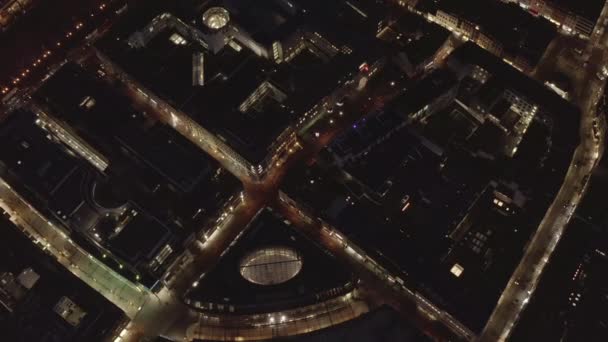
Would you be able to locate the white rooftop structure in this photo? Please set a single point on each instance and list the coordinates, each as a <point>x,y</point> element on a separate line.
<point>69,311</point>
<point>28,278</point>
<point>271,266</point>
<point>216,17</point>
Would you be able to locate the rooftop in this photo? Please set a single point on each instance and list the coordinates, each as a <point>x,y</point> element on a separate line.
<point>431,87</point>
<point>155,163</point>
<point>112,125</point>
<point>589,9</point>
<point>418,38</point>
<point>272,267</point>
<point>34,318</point>
<point>521,34</point>
<point>315,62</point>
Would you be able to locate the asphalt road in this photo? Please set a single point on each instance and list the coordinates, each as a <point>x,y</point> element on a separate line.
<point>389,288</point>
<point>514,299</point>
<point>127,296</point>
<point>163,312</point>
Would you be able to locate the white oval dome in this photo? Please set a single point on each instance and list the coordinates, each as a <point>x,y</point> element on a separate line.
<point>216,17</point>
<point>271,266</point>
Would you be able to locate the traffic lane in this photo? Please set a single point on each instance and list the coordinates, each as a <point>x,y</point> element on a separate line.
<point>383,292</point>
<point>316,138</point>
<point>135,301</point>
<point>51,29</point>
<point>205,255</point>
<point>326,129</point>
<point>124,294</point>
<point>525,279</point>
<point>516,296</point>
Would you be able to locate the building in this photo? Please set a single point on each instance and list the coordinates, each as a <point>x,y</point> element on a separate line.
<point>447,20</point>
<point>489,43</point>
<point>431,94</point>
<point>28,278</point>
<point>478,254</point>
<point>11,292</point>
<point>10,10</point>
<point>579,19</point>
<point>417,42</point>
<point>34,317</point>
<point>259,77</point>
<point>69,311</point>
<point>138,233</point>
<point>499,27</point>
<point>272,276</point>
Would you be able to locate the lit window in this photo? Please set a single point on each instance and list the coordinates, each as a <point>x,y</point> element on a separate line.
<point>457,270</point>
<point>177,39</point>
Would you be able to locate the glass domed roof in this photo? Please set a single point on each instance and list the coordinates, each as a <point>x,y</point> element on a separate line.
<point>271,266</point>
<point>216,17</point>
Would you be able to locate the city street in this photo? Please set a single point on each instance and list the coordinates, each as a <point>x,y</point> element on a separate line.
<point>52,31</point>
<point>124,294</point>
<point>514,299</point>
<point>391,289</point>
<point>202,253</point>
<point>166,313</point>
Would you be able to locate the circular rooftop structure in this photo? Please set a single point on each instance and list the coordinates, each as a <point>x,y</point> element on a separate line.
<point>216,17</point>
<point>106,196</point>
<point>271,266</point>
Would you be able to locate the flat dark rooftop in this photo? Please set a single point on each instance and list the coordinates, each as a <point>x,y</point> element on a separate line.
<point>112,126</point>
<point>41,165</point>
<point>331,18</point>
<point>520,33</point>
<point>59,185</point>
<point>403,240</point>
<point>63,187</point>
<point>488,250</point>
<point>424,92</point>
<point>267,21</point>
<point>364,132</point>
<point>151,164</point>
<point>421,39</point>
<point>34,319</point>
<point>319,273</point>
<point>589,9</point>
<point>376,166</point>
<point>450,125</point>
<point>231,76</point>
<point>566,116</point>
<point>140,238</point>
